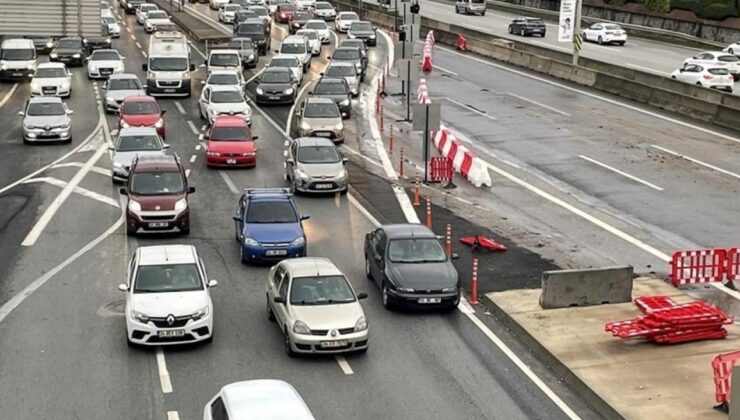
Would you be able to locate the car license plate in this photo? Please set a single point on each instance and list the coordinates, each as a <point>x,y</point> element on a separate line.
<point>323,134</point>
<point>274,98</point>
<point>430,300</point>
<point>64,58</point>
<point>273,252</point>
<point>17,74</point>
<point>169,91</point>
<point>171,333</point>
<point>158,224</point>
<point>333,344</point>
<point>231,161</point>
<point>46,134</point>
<point>323,186</point>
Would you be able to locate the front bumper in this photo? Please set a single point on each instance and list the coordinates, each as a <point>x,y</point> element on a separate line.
<point>148,334</point>
<point>311,344</point>
<point>168,87</point>
<point>327,16</point>
<point>41,135</point>
<point>158,221</point>
<point>102,73</point>
<point>413,299</point>
<point>228,18</point>
<point>321,185</point>
<point>119,174</point>
<point>51,91</point>
<point>231,160</point>
<point>259,253</point>
<point>16,73</point>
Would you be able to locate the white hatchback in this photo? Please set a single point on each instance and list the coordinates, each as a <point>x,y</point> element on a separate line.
<point>344,20</point>
<point>711,77</point>
<point>321,27</point>
<point>167,296</point>
<point>313,40</point>
<point>264,399</point>
<point>717,59</point>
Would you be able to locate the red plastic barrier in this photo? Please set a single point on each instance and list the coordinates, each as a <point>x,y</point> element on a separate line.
<point>462,43</point>
<point>699,266</point>
<point>650,303</point>
<point>732,271</point>
<point>482,241</point>
<point>722,365</point>
<point>440,169</point>
<point>426,65</point>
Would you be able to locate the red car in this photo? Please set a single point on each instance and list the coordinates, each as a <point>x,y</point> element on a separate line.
<point>230,143</point>
<point>284,13</point>
<point>141,111</point>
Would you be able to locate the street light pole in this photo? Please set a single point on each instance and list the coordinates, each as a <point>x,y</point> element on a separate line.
<point>576,32</point>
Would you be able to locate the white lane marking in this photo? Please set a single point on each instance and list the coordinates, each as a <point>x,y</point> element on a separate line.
<point>79,190</point>
<point>335,36</point>
<point>356,153</point>
<point>173,415</point>
<point>187,173</point>
<point>192,158</point>
<point>344,365</point>
<point>597,97</point>
<point>624,174</point>
<point>144,54</point>
<point>229,182</point>
<point>203,127</point>
<point>291,113</point>
<point>256,75</point>
<point>138,45</point>
<point>469,108</point>
<point>193,128</point>
<point>540,104</point>
<point>647,69</point>
<point>373,66</point>
<point>96,169</point>
<point>133,36</point>
<point>198,146</point>
<point>363,210</point>
<point>55,205</point>
<point>27,291</point>
<point>445,70</point>
<point>697,161</point>
<point>7,96</point>
<point>179,107</point>
<point>518,362</point>
<point>164,375</point>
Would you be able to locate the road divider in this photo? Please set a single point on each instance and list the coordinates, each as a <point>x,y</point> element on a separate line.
<point>586,287</point>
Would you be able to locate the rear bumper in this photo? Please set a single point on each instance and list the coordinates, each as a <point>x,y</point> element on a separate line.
<point>231,161</point>
<point>16,74</point>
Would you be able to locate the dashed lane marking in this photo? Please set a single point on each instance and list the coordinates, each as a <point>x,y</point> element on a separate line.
<point>229,182</point>
<point>8,95</point>
<point>539,104</point>
<point>179,107</point>
<point>187,173</point>
<point>138,45</point>
<point>344,365</point>
<point>192,158</point>
<point>620,172</point>
<point>697,161</point>
<point>144,54</point>
<point>193,128</point>
<point>198,146</point>
<point>96,169</point>
<point>173,415</point>
<point>164,375</point>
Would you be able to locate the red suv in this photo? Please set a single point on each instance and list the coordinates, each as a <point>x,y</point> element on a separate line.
<point>230,143</point>
<point>157,191</point>
<point>141,111</point>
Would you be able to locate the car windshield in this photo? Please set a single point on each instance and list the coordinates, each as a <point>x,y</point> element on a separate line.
<point>232,7</point>
<point>223,79</point>
<point>226,97</point>
<point>168,63</point>
<point>157,183</point>
<point>45,109</point>
<point>230,134</point>
<point>293,48</point>
<point>301,16</point>
<point>156,14</point>
<point>728,58</point>
<point>130,143</point>
<point>341,71</point>
<point>316,25</point>
<point>16,54</point>
<point>719,72</point>
<point>241,44</point>
<point>148,7</point>
<point>69,44</point>
<point>361,26</point>
<point>330,89</point>
<point>349,16</point>
<point>105,56</point>
<point>259,11</point>
<point>271,212</point>
<point>167,278</point>
<point>50,72</point>
<point>109,20</point>
<point>284,62</point>
<point>320,290</point>
<point>275,77</point>
<point>124,84</point>
<point>224,60</point>
<point>139,108</point>
<point>308,34</point>
<point>612,27</point>
<point>321,110</point>
<point>244,15</point>
<point>318,154</point>
<point>322,6</point>
<point>416,250</point>
<point>346,54</point>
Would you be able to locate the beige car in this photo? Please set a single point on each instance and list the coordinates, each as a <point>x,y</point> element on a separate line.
<point>320,117</point>
<point>315,307</point>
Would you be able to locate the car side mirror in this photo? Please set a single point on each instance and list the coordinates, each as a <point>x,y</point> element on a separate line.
<point>277,52</point>
<point>191,67</point>
<point>212,283</point>
<point>164,111</point>
<point>290,161</point>
<point>123,58</point>
<point>255,138</point>
<point>123,191</point>
<point>237,217</point>
<point>345,160</point>
<point>361,296</point>
<point>321,74</point>
<point>123,287</point>
<point>279,299</point>
<point>166,146</point>
<point>203,82</point>
<point>21,113</point>
<point>328,57</point>
<point>454,256</point>
<point>145,67</point>
<point>191,189</point>
<point>70,112</point>
<point>680,70</point>
<point>206,136</point>
<point>111,148</point>
<point>143,87</point>
<point>305,216</point>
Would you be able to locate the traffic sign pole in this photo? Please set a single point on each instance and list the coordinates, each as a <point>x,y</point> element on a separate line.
<point>577,32</point>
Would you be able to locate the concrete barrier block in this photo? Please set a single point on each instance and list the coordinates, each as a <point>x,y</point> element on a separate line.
<point>588,287</point>
<point>520,58</point>
<point>583,76</point>
<point>540,64</point>
<point>561,70</point>
<point>685,105</point>
<point>727,117</point>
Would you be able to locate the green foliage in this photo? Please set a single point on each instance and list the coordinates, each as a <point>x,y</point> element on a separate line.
<point>706,9</point>
<point>719,11</point>
<point>658,6</point>
<point>616,2</point>
<point>691,5</point>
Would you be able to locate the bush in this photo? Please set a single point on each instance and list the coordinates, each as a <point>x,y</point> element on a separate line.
<point>659,6</point>
<point>616,2</point>
<point>718,11</point>
<point>691,5</point>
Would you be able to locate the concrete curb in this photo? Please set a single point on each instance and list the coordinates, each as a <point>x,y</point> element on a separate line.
<point>552,362</point>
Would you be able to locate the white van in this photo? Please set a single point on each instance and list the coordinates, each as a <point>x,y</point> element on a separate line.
<point>224,60</point>
<point>17,59</point>
<point>168,65</point>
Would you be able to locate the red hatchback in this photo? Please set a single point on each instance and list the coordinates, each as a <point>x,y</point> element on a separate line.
<point>141,111</point>
<point>284,13</point>
<point>230,143</point>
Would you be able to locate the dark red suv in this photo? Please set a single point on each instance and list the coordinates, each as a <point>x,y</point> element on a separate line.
<point>157,192</point>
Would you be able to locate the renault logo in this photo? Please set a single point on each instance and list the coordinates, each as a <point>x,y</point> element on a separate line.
<point>333,333</point>
<point>47,128</point>
<point>157,207</point>
<point>170,320</point>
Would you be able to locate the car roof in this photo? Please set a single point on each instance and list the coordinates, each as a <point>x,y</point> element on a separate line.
<point>224,51</point>
<point>151,163</point>
<point>264,399</point>
<point>217,88</point>
<point>137,131</point>
<point>51,65</point>
<point>229,121</point>
<point>347,13</point>
<point>331,79</point>
<point>294,39</point>
<point>288,56</point>
<point>406,230</point>
<point>313,141</point>
<point>106,50</point>
<point>123,76</point>
<point>268,194</point>
<point>167,254</point>
<point>44,99</point>
<point>319,100</point>
<point>311,266</point>
<point>140,98</point>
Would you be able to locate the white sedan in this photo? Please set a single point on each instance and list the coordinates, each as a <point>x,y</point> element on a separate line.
<point>103,63</point>
<point>320,26</point>
<point>224,100</point>
<point>344,20</point>
<point>51,79</point>
<point>167,297</point>
<point>142,10</point>
<point>733,48</point>
<point>717,59</point>
<point>605,33</point>
<point>154,18</point>
<point>711,77</point>
<point>216,4</point>
<point>313,40</point>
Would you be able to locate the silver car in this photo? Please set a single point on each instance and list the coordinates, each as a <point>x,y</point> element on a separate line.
<point>348,71</point>
<point>120,86</point>
<point>314,164</point>
<point>315,307</point>
<point>290,62</point>
<point>46,118</point>
<point>320,117</point>
<point>132,142</point>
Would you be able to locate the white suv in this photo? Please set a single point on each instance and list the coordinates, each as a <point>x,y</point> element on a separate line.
<point>167,297</point>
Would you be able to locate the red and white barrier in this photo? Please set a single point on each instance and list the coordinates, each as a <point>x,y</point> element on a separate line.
<point>422,93</point>
<point>464,161</point>
<point>698,266</point>
<point>426,63</point>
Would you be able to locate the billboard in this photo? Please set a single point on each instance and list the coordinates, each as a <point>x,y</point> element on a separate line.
<point>567,20</point>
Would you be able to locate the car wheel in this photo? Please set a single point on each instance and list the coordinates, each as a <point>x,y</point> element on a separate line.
<point>288,345</point>
<point>242,255</point>
<point>621,43</point>
<point>698,84</point>
<point>368,272</point>
<point>673,77</point>
<point>599,40</point>
<point>387,302</point>
<point>185,230</point>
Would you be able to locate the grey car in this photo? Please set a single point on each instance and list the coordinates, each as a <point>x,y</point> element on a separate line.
<point>277,85</point>
<point>411,268</point>
<point>246,49</point>
<point>133,142</point>
<point>336,89</point>
<point>320,117</point>
<point>357,43</point>
<point>120,86</point>
<point>46,119</point>
<point>353,56</point>
<point>346,71</point>
<point>363,30</point>
<point>313,164</point>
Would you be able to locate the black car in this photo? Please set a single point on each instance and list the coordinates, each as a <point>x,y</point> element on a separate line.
<point>240,16</point>
<point>353,56</point>
<point>42,44</point>
<point>93,43</point>
<point>242,3</point>
<point>525,26</point>
<point>356,43</point>
<point>364,30</point>
<point>256,31</point>
<point>411,268</point>
<point>247,51</point>
<point>298,21</point>
<point>70,50</point>
<point>277,85</point>
<point>335,88</point>
<point>130,6</point>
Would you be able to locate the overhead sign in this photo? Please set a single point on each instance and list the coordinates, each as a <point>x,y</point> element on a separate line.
<point>567,20</point>
<point>427,117</point>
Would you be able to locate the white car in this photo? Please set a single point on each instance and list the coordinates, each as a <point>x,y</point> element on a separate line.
<point>142,10</point>
<point>711,77</point>
<point>324,10</point>
<point>232,78</point>
<point>257,399</point>
<point>216,4</point>
<point>717,59</point>
<point>103,63</point>
<point>315,307</point>
<point>52,79</point>
<point>733,48</point>
<point>297,46</point>
<point>313,40</point>
<point>321,27</point>
<point>344,20</point>
<point>304,4</point>
<point>605,33</point>
<point>167,297</point>
<point>112,27</point>
<point>155,18</point>
<point>227,12</point>
<point>224,60</point>
<point>290,62</point>
<point>105,10</point>
<point>223,100</point>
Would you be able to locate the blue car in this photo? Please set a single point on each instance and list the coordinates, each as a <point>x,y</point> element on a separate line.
<point>269,227</point>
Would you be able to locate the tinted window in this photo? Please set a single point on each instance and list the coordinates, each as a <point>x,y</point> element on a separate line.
<point>223,79</point>
<point>105,55</point>
<point>719,72</point>
<point>224,60</point>
<point>275,77</point>
<point>341,71</point>
<point>347,54</point>
<point>50,72</point>
<point>42,109</point>
<point>287,7</point>
<point>230,134</point>
<point>218,412</point>
<point>250,29</point>
<point>227,97</point>
<point>232,7</point>
<point>168,63</point>
<point>612,27</point>
<point>293,48</point>
<point>259,11</point>
<point>318,154</point>
<point>361,26</point>
<point>167,278</point>
<point>349,16</point>
<point>316,25</point>
<point>144,142</point>
<point>109,20</point>
<point>321,110</point>
<point>157,183</point>
<point>241,44</point>
<point>69,44</point>
<point>330,89</point>
<point>320,290</point>
<point>284,62</point>
<point>156,15</point>
<point>322,6</point>
<point>271,212</point>
<point>13,54</point>
<point>416,251</point>
<point>140,108</point>
<point>728,58</point>
<point>124,84</point>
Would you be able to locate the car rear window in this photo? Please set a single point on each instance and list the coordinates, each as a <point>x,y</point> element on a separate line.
<point>330,89</point>
<point>143,142</point>
<point>728,58</point>
<point>230,134</point>
<point>321,110</point>
<point>719,72</point>
<point>139,108</point>
<point>341,71</point>
<point>124,84</point>
<point>613,27</point>
<point>347,54</point>
<point>293,48</point>
<point>271,212</point>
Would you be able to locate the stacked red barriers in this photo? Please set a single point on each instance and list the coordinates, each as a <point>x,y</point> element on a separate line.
<point>667,322</point>
<point>722,365</point>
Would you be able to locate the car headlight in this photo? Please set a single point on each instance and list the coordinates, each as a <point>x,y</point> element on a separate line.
<point>134,206</point>
<point>361,324</point>
<point>138,316</point>
<point>339,127</point>
<point>185,75</point>
<point>305,126</point>
<point>300,327</point>
<point>351,36</point>
<point>107,40</point>
<point>181,205</point>
<point>449,289</point>
<point>110,100</point>
<point>118,165</point>
<point>372,36</point>
<point>159,123</point>
<point>124,124</point>
<point>288,91</point>
<point>250,242</point>
<point>49,44</point>
<point>200,313</point>
<point>260,91</point>
<point>299,241</point>
<point>53,55</point>
<point>342,174</point>
<point>405,290</point>
<point>28,126</point>
<point>358,65</point>
<point>302,175</point>
<point>34,86</point>
<point>66,124</point>
<point>30,66</point>
<point>251,57</point>
<point>344,102</point>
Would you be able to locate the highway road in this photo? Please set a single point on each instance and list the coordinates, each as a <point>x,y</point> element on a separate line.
<point>62,333</point>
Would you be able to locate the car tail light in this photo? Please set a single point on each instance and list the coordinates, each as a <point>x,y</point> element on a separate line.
<point>213,154</point>
<point>708,77</point>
